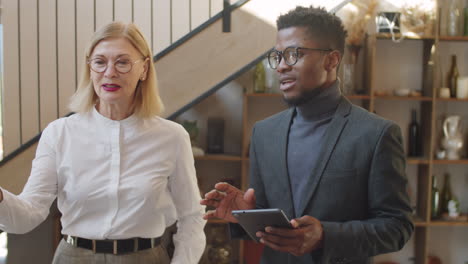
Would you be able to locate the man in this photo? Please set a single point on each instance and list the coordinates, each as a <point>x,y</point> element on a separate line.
<point>336,169</point>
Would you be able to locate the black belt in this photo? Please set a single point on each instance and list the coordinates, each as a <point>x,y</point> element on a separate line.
<point>119,246</point>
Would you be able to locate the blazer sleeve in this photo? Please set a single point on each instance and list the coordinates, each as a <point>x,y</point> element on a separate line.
<point>388,226</point>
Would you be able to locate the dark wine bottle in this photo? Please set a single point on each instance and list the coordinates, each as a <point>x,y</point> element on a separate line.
<point>435,199</point>
<point>414,137</point>
<point>452,77</point>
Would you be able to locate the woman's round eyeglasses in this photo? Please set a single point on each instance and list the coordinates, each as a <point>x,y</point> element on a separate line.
<point>290,55</point>
<point>121,65</point>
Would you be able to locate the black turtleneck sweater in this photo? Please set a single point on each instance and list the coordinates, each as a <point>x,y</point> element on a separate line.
<point>308,128</point>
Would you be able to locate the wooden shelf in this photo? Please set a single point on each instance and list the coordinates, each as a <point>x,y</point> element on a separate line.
<point>451,162</point>
<point>358,96</point>
<point>418,221</point>
<point>439,223</point>
<point>447,223</point>
<point>451,100</point>
<point>220,157</point>
<point>453,38</point>
<point>412,160</point>
<point>403,98</point>
<point>397,36</point>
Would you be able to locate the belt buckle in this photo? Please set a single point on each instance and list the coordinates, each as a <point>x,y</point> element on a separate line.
<point>72,240</point>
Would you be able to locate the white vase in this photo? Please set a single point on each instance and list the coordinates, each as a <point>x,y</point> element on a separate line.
<point>452,141</point>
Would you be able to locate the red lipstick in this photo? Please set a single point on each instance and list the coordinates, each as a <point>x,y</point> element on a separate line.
<point>110,87</point>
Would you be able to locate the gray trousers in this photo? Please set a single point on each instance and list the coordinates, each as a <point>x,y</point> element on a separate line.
<point>68,254</point>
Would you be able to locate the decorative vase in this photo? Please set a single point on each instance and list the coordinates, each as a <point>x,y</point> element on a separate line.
<point>220,254</point>
<point>452,141</point>
<point>350,77</point>
<point>218,249</point>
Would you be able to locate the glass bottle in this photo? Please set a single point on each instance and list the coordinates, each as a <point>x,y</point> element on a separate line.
<point>453,18</point>
<point>259,79</point>
<point>465,19</point>
<point>449,204</point>
<point>435,199</point>
<point>452,77</point>
<point>414,137</point>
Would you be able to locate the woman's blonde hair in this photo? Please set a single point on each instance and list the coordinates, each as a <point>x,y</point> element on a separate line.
<point>147,102</point>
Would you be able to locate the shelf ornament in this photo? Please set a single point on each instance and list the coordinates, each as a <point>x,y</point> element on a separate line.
<point>356,17</point>
<point>192,130</point>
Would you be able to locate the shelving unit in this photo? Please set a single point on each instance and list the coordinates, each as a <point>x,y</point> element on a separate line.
<point>429,106</point>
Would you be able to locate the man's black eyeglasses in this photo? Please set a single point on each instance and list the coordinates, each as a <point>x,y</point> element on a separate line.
<point>290,55</point>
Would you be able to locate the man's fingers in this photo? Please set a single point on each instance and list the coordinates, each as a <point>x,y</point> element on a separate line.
<point>280,241</point>
<point>284,232</point>
<point>305,221</point>
<point>249,196</point>
<point>276,246</point>
<point>215,195</point>
<point>226,187</point>
<point>213,203</point>
<point>294,223</point>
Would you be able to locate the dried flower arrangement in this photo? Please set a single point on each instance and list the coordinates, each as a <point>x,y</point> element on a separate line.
<point>419,17</point>
<point>356,17</point>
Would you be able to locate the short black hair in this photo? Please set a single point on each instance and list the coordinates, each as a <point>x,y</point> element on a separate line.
<point>325,28</point>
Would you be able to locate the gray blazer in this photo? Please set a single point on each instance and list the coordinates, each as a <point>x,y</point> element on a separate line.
<point>357,189</point>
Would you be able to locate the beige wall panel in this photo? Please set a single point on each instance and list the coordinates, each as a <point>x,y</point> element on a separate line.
<point>180,19</point>
<point>123,10</point>
<point>161,25</point>
<point>216,7</point>
<point>200,12</point>
<point>47,62</point>
<point>84,30</point>
<point>193,79</point>
<point>11,99</point>
<point>66,53</point>
<point>142,18</point>
<point>104,15</point>
<point>29,69</point>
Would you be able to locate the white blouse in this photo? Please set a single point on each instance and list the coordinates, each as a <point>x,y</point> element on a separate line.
<point>113,180</point>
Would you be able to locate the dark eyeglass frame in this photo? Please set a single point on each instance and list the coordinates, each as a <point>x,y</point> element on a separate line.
<point>296,55</point>
<point>115,68</point>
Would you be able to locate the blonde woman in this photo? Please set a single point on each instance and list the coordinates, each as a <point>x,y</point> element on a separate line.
<point>121,174</point>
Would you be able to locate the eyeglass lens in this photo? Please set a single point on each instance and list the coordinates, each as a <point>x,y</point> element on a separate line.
<point>289,55</point>
<point>100,65</point>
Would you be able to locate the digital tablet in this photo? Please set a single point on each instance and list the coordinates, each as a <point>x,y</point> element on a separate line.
<point>257,219</point>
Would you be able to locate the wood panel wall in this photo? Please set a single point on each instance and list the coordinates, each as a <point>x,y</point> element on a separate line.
<point>44,43</point>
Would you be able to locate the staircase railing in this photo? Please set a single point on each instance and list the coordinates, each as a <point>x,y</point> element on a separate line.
<point>112,15</point>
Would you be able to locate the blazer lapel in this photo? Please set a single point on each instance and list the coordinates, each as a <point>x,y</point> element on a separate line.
<point>281,134</point>
<point>333,134</point>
